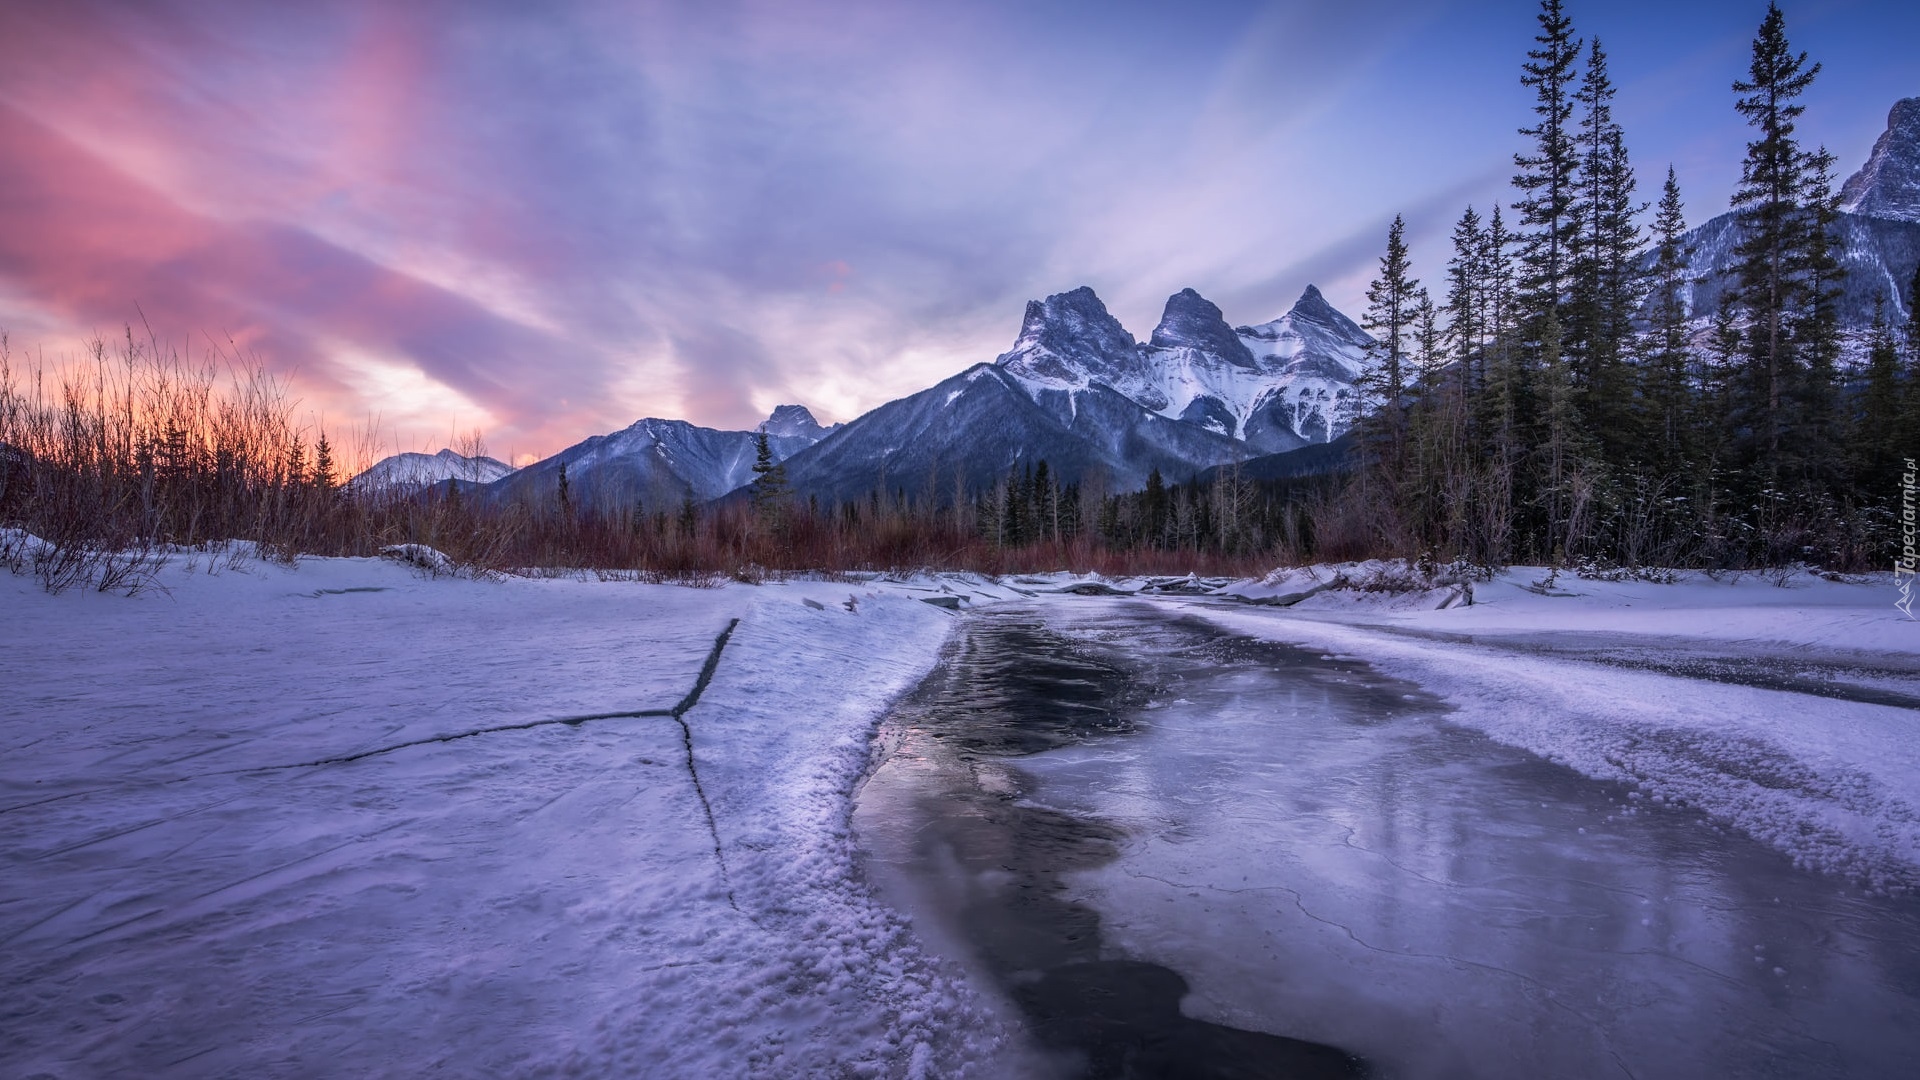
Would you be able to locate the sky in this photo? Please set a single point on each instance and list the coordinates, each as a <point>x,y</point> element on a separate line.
<point>545,221</point>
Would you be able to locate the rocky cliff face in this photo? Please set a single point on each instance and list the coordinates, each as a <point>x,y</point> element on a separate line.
<point>1888,185</point>
<point>793,422</point>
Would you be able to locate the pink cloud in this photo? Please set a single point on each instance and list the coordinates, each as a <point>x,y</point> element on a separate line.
<point>88,243</point>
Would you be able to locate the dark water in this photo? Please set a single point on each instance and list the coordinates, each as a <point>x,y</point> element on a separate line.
<point>1011,687</point>
<point>1182,853</point>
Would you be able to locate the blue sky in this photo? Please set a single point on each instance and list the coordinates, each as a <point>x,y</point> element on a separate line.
<point>547,223</point>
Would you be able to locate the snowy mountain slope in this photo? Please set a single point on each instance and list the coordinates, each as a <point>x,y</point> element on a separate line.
<point>1888,185</point>
<point>659,462</point>
<point>1878,233</point>
<point>410,472</point>
<point>1315,354</point>
<point>1879,255</point>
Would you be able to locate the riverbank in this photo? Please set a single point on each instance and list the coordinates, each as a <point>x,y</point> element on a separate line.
<point>351,819</point>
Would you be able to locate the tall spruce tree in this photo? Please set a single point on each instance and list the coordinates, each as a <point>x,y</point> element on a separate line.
<point>1874,442</point>
<point>1817,458</point>
<point>1498,401</point>
<point>1458,456</point>
<point>1392,300</point>
<point>1775,235</point>
<point>1667,392</point>
<point>1466,288</point>
<point>1547,176</point>
<point>770,492</point>
<point>1547,415</point>
<point>1605,286</point>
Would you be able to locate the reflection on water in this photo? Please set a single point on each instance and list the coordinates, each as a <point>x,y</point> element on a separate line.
<point>1184,853</point>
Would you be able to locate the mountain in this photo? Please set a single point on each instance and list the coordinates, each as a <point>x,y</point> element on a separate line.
<point>1276,386</point>
<point>1878,232</point>
<point>406,473</point>
<point>793,422</point>
<point>1888,185</point>
<point>658,462</point>
<point>1315,354</point>
<point>966,433</point>
<point>1079,392</point>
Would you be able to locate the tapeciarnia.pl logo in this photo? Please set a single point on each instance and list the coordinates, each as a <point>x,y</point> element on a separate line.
<point>1904,567</point>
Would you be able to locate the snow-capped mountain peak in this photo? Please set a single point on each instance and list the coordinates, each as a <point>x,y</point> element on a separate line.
<point>1888,185</point>
<point>1312,337</point>
<point>412,471</point>
<point>1275,387</point>
<point>1070,340</point>
<point>1192,321</point>
<point>793,422</point>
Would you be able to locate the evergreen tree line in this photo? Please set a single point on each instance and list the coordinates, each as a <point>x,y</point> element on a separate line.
<point>1227,515</point>
<point>1557,402</point>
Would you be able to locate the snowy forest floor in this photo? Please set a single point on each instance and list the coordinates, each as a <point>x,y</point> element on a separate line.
<point>348,819</point>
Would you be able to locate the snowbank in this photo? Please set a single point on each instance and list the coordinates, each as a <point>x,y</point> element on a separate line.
<point>353,819</point>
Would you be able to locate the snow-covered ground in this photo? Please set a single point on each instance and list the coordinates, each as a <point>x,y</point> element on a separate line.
<point>318,822</point>
<point>330,820</point>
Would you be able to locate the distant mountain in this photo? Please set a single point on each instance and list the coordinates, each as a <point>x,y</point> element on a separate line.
<point>793,422</point>
<point>1077,391</point>
<point>407,473</point>
<point>1878,233</point>
<point>659,462</point>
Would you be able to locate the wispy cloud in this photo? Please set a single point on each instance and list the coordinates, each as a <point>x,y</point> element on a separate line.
<point>554,219</point>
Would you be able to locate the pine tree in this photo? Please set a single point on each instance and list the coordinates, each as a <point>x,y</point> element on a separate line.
<point>1666,390</point>
<point>1497,400</point>
<point>324,477</point>
<point>1817,427</point>
<point>1605,285</point>
<point>1154,507</point>
<point>769,493</point>
<point>297,464</point>
<point>1547,174</point>
<point>1875,442</point>
<point>1775,237</point>
<point>1466,288</point>
<point>1455,460</point>
<point>1392,300</point>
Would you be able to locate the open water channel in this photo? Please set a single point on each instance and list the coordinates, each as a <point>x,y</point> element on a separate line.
<point>1179,852</point>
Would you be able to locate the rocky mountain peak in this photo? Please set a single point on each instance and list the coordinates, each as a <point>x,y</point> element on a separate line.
<point>1888,185</point>
<point>792,422</point>
<point>1312,305</point>
<point>1070,337</point>
<point>1192,321</point>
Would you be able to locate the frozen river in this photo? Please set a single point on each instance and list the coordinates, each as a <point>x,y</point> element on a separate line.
<point>1182,852</point>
